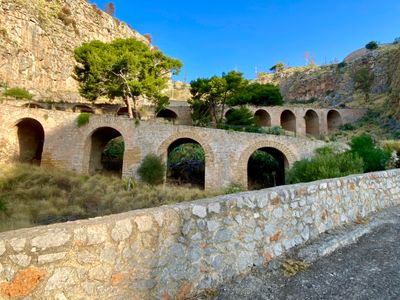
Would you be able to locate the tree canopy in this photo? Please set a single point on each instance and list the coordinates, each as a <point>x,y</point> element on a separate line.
<point>210,96</point>
<point>125,68</point>
<point>257,94</point>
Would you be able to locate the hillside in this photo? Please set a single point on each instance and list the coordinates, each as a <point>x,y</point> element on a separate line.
<point>37,38</point>
<point>366,78</point>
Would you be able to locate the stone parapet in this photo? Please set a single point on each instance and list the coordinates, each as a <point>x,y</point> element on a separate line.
<point>173,251</point>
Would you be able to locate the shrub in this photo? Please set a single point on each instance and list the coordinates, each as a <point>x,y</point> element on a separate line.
<point>148,37</point>
<point>374,157</point>
<point>396,41</point>
<point>372,45</point>
<point>115,148</point>
<point>327,163</point>
<point>152,169</point>
<point>363,79</point>
<point>232,188</point>
<point>18,93</point>
<point>240,116</point>
<point>83,119</point>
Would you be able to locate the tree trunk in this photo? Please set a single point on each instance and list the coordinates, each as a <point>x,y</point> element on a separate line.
<point>129,106</point>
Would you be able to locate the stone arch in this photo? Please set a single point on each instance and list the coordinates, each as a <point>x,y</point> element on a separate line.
<point>208,153</point>
<point>123,111</point>
<point>289,158</point>
<point>32,105</point>
<point>83,108</point>
<point>95,145</point>
<point>228,112</point>
<point>334,120</point>
<point>288,120</point>
<point>263,118</point>
<point>31,136</point>
<point>312,123</point>
<point>168,114</point>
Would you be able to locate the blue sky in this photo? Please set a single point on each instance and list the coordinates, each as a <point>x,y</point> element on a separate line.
<point>211,37</point>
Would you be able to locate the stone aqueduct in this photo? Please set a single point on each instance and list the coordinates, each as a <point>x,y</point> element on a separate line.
<point>53,138</point>
<point>315,122</point>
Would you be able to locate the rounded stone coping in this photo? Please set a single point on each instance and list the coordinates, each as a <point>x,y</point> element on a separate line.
<point>240,199</point>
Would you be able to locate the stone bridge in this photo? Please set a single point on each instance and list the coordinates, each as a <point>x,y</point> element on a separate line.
<point>52,138</point>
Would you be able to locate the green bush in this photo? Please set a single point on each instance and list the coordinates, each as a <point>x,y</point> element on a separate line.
<point>115,148</point>
<point>257,94</point>
<point>372,45</point>
<point>327,163</point>
<point>83,119</point>
<point>232,188</point>
<point>374,157</point>
<point>18,93</point>
<point>241,117</point>
<point>152,169</point>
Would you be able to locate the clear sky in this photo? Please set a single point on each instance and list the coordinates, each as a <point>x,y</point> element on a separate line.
<point>211,37</point>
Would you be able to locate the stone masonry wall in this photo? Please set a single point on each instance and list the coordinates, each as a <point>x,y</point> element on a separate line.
<point>38,38</point>
<point>67,146</point>
<point>174,250</point>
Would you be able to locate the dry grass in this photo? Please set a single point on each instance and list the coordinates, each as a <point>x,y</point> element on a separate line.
<point>34,196</point>
<point>291,267</point>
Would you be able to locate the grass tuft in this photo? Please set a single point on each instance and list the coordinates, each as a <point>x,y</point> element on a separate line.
<point>291,267</point>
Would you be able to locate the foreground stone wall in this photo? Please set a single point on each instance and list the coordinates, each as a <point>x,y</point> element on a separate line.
<point>172,251</point>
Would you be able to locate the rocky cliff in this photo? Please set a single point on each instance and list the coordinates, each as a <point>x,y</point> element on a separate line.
<point>337,84</point>
<point>37,39</point>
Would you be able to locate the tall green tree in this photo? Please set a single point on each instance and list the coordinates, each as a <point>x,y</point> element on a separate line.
<point>257,94</point>
<point>125,68</point>
<point>210,96</point>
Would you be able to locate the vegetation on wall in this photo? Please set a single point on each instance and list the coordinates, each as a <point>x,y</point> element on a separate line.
<point>124,68</point>
<point>83,119</point>
<point>17,93</point>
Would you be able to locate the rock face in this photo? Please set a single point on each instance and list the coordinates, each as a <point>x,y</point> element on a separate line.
<point>37,40</point>
<point>334,84</point>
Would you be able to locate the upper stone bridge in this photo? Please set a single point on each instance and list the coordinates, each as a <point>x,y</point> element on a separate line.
<point>52,138</point>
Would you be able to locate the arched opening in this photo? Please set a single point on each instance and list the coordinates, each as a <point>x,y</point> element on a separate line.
<point>106,152</point>
<point>83,108</point>
<point>123,111</point>
<point>263,118</point>
<point>312,123</point>
<point>288,120</point>
<point>334,120</point>
<point>32,105</point>
<point>186,163</point>
<point>228,112</point>
<point>168,115</point>
<point>31,140</point>
<point>266,168</point>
